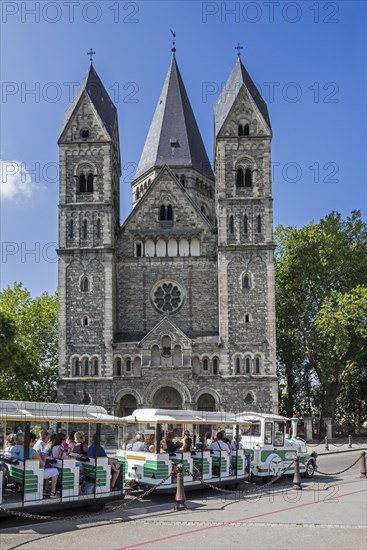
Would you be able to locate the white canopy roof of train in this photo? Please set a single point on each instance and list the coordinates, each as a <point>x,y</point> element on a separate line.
<point>252,416</point>
<point>173,416</point>
<point>28,411</point>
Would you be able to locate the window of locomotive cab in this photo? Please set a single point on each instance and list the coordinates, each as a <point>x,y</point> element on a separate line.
<point>252,431</point>
<point>268,433</point>
<point>279,434</point>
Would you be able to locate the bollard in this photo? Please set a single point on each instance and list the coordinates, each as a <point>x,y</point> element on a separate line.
<point>297,478</point>
<point>349,441</point>
<point>180,491</point>
<point>326,443</point>
<point>363,472</point>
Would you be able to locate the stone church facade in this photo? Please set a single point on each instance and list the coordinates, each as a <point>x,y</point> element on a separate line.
<point>174,308</point>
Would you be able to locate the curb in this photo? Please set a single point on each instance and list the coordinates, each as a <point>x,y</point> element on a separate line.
<point>323,453</point>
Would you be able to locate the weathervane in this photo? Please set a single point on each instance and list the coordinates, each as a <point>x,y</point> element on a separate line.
<point>173,41</point>
<point>238,48</point>
<point>91,53</point>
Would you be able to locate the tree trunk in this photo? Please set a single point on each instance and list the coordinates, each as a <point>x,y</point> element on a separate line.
<point>331,390</point>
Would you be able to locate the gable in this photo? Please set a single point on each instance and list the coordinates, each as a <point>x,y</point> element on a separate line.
<point>163,328</point>
<point>244,111</point>
<point>84,115</point>
<point>167,190</point>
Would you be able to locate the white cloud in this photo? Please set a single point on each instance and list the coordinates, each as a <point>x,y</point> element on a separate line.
<point>15,180</point>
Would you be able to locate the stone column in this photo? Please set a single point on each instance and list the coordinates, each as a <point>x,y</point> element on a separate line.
<point>328,426</point>
<point>307,420</point>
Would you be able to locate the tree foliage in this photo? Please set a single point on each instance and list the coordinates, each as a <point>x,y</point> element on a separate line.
<point>28,351</point>
<point>321,299</point>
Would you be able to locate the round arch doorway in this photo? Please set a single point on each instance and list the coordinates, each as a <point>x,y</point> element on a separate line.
<point>206,402</point>
<point>167,398</point>
<point>128,404</point>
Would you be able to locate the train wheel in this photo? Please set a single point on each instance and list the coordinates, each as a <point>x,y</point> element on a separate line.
<point>257,479</point>
<point>310,469</point>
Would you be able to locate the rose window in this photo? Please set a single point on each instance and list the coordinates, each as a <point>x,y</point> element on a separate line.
<point>167,297</point>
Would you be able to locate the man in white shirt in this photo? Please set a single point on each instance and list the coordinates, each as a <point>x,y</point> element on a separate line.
<point>218,444</point>
<point>41,443</point>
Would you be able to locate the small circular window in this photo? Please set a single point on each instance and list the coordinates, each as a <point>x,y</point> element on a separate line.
<point>167,297</point>
<point>85,133</point>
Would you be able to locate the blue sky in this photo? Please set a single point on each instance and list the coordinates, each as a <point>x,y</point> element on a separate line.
<point>307,58</point>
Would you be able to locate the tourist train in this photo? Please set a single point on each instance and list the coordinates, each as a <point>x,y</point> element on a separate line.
<point>145,449</point>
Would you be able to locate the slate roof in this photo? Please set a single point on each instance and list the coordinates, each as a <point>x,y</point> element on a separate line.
<point>92,84</point>
<point>174,122</point>
<point>237,79</point>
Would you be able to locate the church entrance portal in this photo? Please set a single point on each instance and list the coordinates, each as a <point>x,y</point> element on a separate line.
<point>167,398</point>
<point>128,404</point>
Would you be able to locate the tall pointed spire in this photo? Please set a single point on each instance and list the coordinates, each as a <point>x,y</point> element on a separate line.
<point>174,137</point>
<point>238,78</point>
<point>92,85</point>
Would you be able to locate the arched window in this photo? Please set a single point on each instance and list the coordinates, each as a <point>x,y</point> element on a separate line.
<point>82,183</point>
<point>245,224</point>
<point>85,321</point>
<point>118,367</point>
<point>84,284</point>
<point>246,282</point>
<point>85,229</point>
<point>205,364</point>
<point>249,399</point>
<point>90,180</point>
<point>182,179</point>
<point>257,365</point>
<point>95,367</point>
<point>248,177</point>
<point>231,225</point>
<point>239,177</point>
<point>71,229</point>
<point>215,365</point>
<point>203,210</point>
<point>86,367</point>
<point>240,130</point>
<point>246,130</point>
<point>76,367</point>
<point>138,250</point>
<point>247,318</point>
<point>259,224</point>
<point>247,365</point>
<point>169,212</point>
<point>162,213</point>
<point>98,228</point>
<point>128,365</point>
<point>137,195</point>
<point>238,365</point>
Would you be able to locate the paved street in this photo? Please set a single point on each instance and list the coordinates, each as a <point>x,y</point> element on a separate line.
<point>329,513</point>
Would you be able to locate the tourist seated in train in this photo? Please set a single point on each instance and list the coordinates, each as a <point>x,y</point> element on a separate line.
<point>50,442</point>
<point>138,444</point>
<point>218,444</point>
<point>71,441</point>
<point>200,444</point>
<point>59,448</point>
<point>208,439</point>
<point>41,443</point>
<point>80,447</point>
<point>236,443</point>
<point>179,446</point>
<point>187,444</point>
<point>148,442</point>
<point>115,466</point>
<point>225,439</point>
<point>167,444</point>
<point>49,472</point>
<point>15,444</point>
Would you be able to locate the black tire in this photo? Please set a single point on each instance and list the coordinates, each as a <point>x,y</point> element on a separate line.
<point>310,469</point>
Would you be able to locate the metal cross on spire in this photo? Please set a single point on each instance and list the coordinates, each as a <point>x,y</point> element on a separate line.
<point>238,48</point>
<point>91,53</point>
<point>173,41</point>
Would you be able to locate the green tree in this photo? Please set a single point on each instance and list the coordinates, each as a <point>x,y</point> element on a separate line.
<point>28,337</point>
<point>321,275</point>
